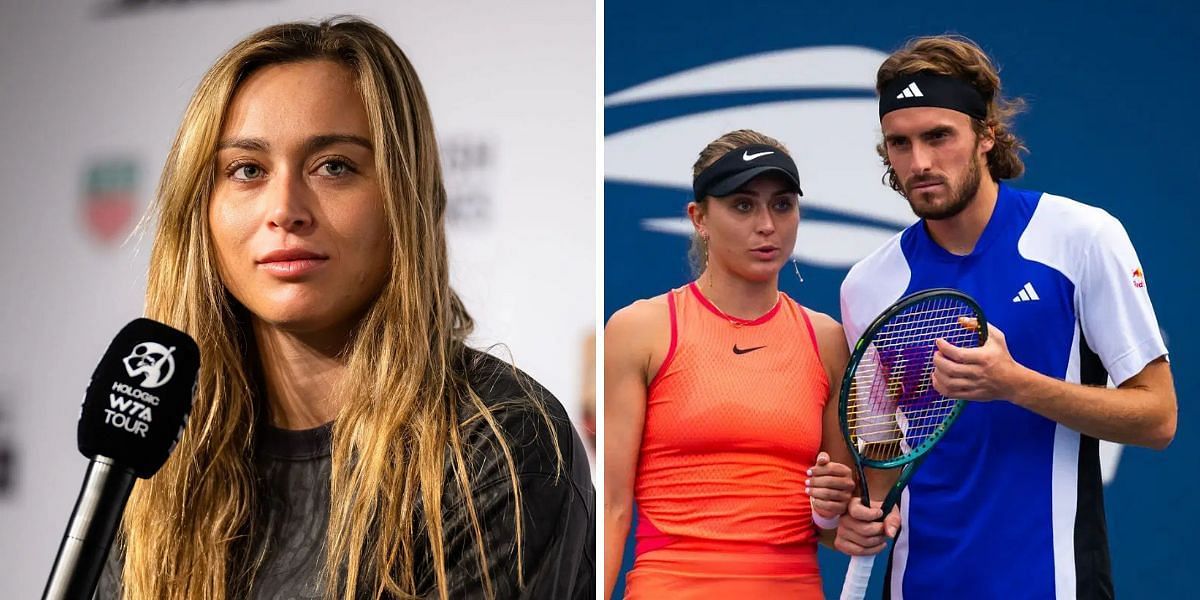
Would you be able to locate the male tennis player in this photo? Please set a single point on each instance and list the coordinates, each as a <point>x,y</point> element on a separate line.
<point>1009,504</point>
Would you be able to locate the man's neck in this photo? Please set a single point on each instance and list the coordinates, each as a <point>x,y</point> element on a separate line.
<point>959,234</point>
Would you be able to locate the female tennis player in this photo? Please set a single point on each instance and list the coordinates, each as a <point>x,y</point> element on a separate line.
<point>344,441</point>
<point>718,413</point>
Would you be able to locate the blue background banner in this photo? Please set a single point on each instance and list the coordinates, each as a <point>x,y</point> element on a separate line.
<point>1111,99</point>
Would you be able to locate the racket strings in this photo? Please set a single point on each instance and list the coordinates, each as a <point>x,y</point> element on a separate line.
<point>892,406</point>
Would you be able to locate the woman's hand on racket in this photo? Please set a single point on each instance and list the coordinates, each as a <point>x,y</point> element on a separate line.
<point>988,372</point>
<point>830,486</point>
<point>861,533</point>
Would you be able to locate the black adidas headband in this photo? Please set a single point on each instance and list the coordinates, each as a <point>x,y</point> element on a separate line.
<point>932,89</point>
<point>738,166</point>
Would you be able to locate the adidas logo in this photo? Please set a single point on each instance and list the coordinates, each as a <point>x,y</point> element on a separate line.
<point>1026,294</point>
<point>912,91</point>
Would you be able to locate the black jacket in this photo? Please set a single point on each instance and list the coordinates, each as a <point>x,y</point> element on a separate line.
<point>557,505</point>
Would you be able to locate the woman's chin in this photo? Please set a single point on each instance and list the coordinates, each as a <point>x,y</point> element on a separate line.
<point>303,310</point>
<point>298,319</point>
<point>760,272</point>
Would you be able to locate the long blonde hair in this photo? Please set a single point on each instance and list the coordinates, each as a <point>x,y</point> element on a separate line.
<point>191,531</point>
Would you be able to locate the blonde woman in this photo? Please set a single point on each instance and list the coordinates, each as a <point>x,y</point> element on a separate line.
<point>344,442</point>
<point>720,402</point>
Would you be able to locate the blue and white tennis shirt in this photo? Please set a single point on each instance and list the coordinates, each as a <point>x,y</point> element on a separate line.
<point>1009,504</point>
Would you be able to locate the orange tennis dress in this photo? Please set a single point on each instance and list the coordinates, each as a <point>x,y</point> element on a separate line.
<point>733,421</point>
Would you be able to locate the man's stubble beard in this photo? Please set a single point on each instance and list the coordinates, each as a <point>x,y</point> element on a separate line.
<point>961,196</point>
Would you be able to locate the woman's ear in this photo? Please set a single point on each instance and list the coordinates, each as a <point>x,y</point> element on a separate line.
<point>696,213</point>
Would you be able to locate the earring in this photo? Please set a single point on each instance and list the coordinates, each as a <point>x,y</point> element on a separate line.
<point>797,268</point>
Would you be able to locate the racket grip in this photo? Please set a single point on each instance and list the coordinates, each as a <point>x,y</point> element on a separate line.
<point>857,577</point>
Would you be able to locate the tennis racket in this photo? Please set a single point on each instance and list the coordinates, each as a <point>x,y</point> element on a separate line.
<point>890,413</point>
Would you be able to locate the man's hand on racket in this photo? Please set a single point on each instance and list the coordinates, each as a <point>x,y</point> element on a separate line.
<point>830,486</point>
<point>988,372</point>
<point>859,531</point>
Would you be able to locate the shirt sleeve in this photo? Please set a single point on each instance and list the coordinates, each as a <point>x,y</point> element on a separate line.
<point>1113,303</point>
<point>872,285</point>
<point>851,325</point>
<point>556,556</point>
<point>556,542</point>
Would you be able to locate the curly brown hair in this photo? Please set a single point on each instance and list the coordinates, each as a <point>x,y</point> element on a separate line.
<point>959,57</point>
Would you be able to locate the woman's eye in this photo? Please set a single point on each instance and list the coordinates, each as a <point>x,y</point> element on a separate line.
<point>742,206</point>
<point>335,168</point>
<point>246,172</point>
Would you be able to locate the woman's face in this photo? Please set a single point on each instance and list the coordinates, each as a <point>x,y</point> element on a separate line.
<point>752,232</point>
<point>297,214</point>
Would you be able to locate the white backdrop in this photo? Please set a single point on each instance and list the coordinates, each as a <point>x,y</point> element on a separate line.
<point>87,83</point>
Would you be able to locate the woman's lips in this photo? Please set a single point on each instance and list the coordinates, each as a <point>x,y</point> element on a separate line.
<point>765,253</point>
<point>292,269</point>
<point>292,263</point>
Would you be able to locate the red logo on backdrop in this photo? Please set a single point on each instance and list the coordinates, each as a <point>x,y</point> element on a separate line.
<point>1139,281</point>
<point>108,200</point>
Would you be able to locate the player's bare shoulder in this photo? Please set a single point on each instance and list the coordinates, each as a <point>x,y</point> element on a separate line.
<point>640,332</point>
<point>821,321</point>
<point>826,328</point>
<point>639,322</point>
<point>831,341</point>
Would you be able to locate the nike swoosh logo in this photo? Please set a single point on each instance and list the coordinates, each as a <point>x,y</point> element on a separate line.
<point>746,156</point>
<point>737,350</point>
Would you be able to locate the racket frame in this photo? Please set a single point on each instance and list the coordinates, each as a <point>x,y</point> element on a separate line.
<point>911,460</point>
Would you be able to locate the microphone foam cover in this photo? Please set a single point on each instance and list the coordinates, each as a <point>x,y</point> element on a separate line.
<point>140,395</point>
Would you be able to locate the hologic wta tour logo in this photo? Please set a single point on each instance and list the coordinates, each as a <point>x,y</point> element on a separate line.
<point>153,361</point>
<point>109,199</point>
<point>130,408</point>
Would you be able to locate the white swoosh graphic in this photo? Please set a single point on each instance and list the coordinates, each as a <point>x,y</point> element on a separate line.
<point>815,67</point>
<point>750,157</point>
<point>820,243</point>
<point>831,140</point>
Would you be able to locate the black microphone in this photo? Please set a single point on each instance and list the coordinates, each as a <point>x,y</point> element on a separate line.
<point>133,414</point>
